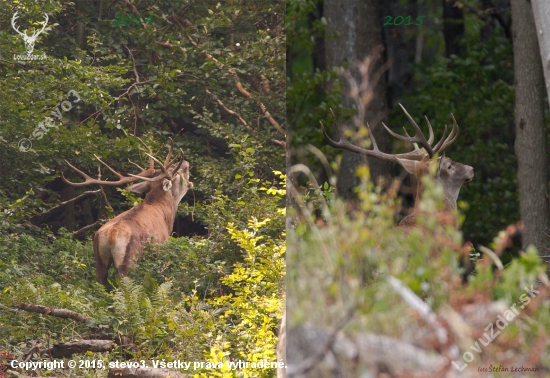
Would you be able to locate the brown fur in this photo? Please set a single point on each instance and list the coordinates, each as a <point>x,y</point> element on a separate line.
<point>121,240</point>
<point>451,175</point>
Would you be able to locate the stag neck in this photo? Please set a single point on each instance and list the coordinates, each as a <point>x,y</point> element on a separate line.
<point>157,196</point>
<point>449,201</point>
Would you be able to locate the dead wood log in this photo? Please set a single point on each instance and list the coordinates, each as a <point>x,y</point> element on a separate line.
<point>348,355</point>
<point>66,350</point>
<point>52,311</point>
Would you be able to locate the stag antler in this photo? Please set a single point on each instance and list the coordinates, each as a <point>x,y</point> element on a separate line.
<point>35,34</point>
<point>46,18</point>
<point>418,154</point>
<point>145,174</point>
<point>15,17</point>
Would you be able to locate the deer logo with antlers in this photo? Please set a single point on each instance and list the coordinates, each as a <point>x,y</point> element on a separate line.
<point>29,39</point>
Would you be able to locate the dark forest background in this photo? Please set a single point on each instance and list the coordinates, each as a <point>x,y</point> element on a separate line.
<point>460,60</point>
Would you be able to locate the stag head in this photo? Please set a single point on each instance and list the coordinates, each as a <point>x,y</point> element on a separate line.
<point>173,176</point>
<point>29,39</point>
<point>450,174</point>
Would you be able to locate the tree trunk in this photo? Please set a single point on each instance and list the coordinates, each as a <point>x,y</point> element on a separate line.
<point>541,11</point>
<point>353,31</point>
<point>453,27</point>
<point>281,346</point>
<point>399,75</point>
<point>530,128</point>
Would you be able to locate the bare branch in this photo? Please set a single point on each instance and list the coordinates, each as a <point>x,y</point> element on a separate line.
<point>241,88</point>
<point>133,63</point>
<point>221,104</point>
<point>85,194</point>
<point>310,362</point>
<point>421,307</point>
<point>281,143</point>
<point>135,12</point>
<point>90,226</point>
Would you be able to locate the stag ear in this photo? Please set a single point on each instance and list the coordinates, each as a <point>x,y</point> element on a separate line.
<point>166,185</point>
<point>409,165</point>
<point>140,187</point>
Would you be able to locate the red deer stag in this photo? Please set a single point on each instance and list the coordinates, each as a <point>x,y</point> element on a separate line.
<point>121,239</point>
<point>450,174</point>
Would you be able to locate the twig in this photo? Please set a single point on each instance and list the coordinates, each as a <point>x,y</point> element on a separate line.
<point>90,116</point>
<point>130,88</point>
<point>80,196</point>
<point>27,356</point>
<point>135,12</point>
<point>86,228</point>
<point>310,362</point>
<point>164,44</point>
<point>221,104</point>
<point>105,198</point>
<point>247,94</point>
<point>133,63</point>
<point>421,307</point>
<point>493,256</point>
<point>281,143</point>
<point>61,204</point>
<point>240,88</point>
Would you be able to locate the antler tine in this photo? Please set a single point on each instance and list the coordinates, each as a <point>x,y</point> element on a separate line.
<point>416,148</point>
<point>163,175</point>
<point>87,178</point>
<point>169,153</point>
<point>46,18</point>
<point>431,138</point>
<point>452,135</point>
<point>375,152</point>
<point>337,128</point>
<point>151,162</point>
<point>13,19</point>
<point>374,145</point>
<point>137,165</point>
<point>164,171</point>
<point>173,161</point>
<point>180,163</point>
<point>109,168</point>
<point>418,136</point>
<point>455,135</point>
<point>145,145</point>
<point>441,141</point>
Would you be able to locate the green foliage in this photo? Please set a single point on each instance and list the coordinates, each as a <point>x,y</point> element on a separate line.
<point>308,103</point>
<point>255,303</point>
<point>203,73</point>
<point>345,261</point>
<point>172,305</point>
<point>478,90</point>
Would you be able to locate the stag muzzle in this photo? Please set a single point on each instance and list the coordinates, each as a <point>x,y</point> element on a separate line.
<point>469,174</point>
